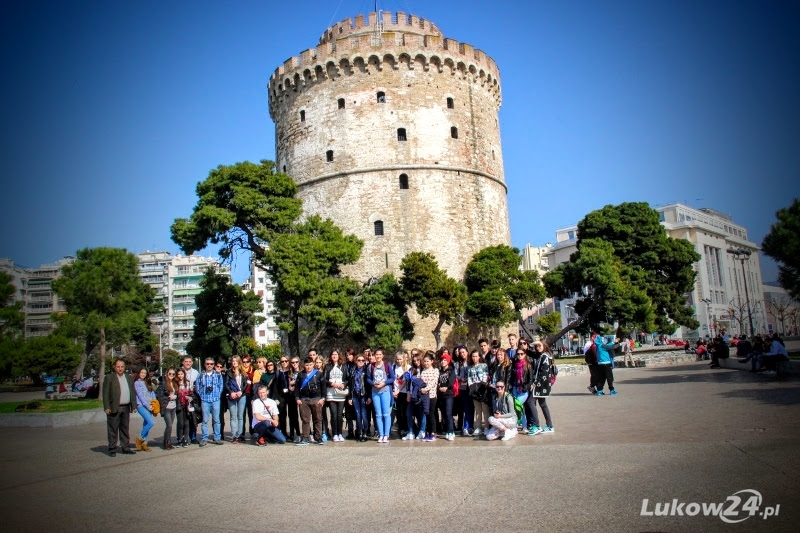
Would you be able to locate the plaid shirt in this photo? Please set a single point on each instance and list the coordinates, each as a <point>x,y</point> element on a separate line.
<point>203,381</point>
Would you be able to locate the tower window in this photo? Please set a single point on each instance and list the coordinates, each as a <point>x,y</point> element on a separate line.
<point>401,134</point>
<point>378,227</point>
<point>302,116</point>
<point>450,103</point>
<point>454,132</point>
<point>403,181</point>
<point>381,97</point>
<point>329,156</point>
<point>284,169</point>
<point>341,103</point>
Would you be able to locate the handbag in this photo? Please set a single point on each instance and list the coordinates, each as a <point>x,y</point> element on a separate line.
<point>155,406</point>
<point>341,393</point>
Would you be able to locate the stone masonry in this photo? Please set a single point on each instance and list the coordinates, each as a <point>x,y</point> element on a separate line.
<point>391,130</point>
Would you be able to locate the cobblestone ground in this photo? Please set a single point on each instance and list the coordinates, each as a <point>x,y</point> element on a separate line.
<point>682,432</point>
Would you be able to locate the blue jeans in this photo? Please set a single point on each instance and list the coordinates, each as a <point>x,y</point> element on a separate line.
<point>149,421</point>
<point>210,411</point>
<point>383,410</point>
<point>269,432</point>
<point>237,409</point>
<point>466,408</point>
<point>522,397</point>
<point>360,405</point>
<point>445,406</point>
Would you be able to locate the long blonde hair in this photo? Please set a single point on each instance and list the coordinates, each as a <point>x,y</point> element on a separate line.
<point>237,369</point>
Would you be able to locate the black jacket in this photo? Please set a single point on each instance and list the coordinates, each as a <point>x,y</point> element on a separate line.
<point>315,389</point>
<point>447,379</point>
<point>366,388</point>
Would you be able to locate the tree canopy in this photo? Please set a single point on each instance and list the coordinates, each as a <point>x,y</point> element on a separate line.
<point>431,290</point>
<point>225,315</point>
<point>378,316</point>
<point>107,304</point>
<point>782,243</point>
<point>241,207</point>
<point>498,289</point>
<point>252,208</point>
<point>626,269</point>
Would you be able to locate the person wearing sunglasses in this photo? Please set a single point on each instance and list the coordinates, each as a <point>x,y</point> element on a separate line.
<point>520,378</point>
<point>234,392</point>
<point>209,387</point>
<point>503,421</point>
<point>360,394</point>
<point>167,395</point>
<point>293,413</point>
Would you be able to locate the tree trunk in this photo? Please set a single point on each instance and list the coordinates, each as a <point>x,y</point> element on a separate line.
<point>294,337</point>
<point>553,337</point>
<point>437,332</point>
<point>525,329</point>
<point>102,371</point>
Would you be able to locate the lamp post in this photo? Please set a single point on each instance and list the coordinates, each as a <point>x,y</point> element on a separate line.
<point>707,301</point>
<point>742,254</point>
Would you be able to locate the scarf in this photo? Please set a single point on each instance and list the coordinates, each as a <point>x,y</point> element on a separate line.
<point>357,380</point>
<point>519,369</point>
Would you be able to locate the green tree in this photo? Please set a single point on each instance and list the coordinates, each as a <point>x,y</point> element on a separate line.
<point>312,296</point>
<point>498,290</point>
<point>251,208</point>
<point>107,304</point>
<point>170,358</point>
<point>11,317</point>
<point>241,207</point>
<point>626,269</point>
<point>782,243</point>
<point>431,290</point>
<point>548,324</point>
<point>50,355</point>
<point>379,316</point>
<point>225,315</point>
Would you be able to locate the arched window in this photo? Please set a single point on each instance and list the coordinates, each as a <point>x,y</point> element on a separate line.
<point>403,181</point>
<point>454,132</point>
<point>450,103</point>
<point>341,103</point>
<point>378,227</point>
<point>401,134</point>
<point>302,116</point>
<point>284,169</point>
<point>329,156</point>
<point>381,97</point>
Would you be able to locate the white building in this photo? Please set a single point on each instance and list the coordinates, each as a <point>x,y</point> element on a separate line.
<point>34,290</point>
<point>725,280</point>
<point>267,332</point>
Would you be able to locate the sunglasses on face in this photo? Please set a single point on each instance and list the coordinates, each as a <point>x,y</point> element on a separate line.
<point>284,361</point>
<point>500,387</point>
<point>359,360</point>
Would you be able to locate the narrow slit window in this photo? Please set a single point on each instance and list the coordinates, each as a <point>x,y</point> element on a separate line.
<point>284,169</point>
<point>341,103</point>
<point>302,116</point>
<point>454,132</point>
<point>329,156</point>
<point>401,134</point>
<point>450,103</point>
<point>403,181</point>
<point>381,97</point>
<point>378,227</point>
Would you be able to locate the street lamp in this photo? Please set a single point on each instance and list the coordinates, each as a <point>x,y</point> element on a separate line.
<point>707,301</point>
<point>742,254</point>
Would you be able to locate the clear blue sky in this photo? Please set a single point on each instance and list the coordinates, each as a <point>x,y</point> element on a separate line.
<point>113,111</point>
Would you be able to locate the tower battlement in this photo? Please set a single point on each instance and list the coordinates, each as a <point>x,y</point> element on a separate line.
<point>401,40</point>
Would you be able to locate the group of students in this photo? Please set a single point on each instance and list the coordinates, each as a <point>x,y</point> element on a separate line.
<point>491,392</point>
<point>758,352</point>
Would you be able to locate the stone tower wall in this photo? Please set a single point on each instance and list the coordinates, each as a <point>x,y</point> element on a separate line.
<point>327,99</point>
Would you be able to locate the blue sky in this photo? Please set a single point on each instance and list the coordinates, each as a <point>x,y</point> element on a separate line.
<point>113,111</point>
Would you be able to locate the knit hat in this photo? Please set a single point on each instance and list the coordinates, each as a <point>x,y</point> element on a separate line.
<point>446,357</point>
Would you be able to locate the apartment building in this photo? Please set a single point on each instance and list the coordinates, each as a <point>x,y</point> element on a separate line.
<point>267,332</point>
<point>34,290</point>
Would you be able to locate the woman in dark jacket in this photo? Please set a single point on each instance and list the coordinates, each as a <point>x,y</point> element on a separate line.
<point>446,395</point>
<point>359,396</point>
<point>336,377</point>
<point>234,386</point>
<point>542,362</point>
<point>520,377</point>
<point>167,394</point>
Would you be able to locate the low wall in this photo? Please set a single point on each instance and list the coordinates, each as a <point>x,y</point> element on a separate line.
<point>642,357</point>
<point>52,420</point>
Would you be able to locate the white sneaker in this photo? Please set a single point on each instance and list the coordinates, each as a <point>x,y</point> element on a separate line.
<point>408,436</point>
<point>477,432</point>
<point>450,436</point>
<point>509,434</point>
<point>465,433</point>
<point>341,438</point>
<point>336,438</point>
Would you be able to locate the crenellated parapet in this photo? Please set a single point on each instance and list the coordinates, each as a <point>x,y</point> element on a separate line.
<point>358,46</point>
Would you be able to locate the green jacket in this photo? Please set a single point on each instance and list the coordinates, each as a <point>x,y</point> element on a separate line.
<point>111,392</point>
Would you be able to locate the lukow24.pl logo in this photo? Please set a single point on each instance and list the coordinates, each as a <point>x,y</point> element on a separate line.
<point>736,508</point>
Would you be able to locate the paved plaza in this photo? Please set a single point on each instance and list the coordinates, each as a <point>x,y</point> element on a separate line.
<point>684,433</point>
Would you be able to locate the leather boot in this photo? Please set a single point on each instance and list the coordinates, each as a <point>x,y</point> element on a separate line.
<point>145,447</point>
<point>139,441</point>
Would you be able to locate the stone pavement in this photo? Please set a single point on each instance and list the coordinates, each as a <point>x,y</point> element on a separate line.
<point>684,432</point>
